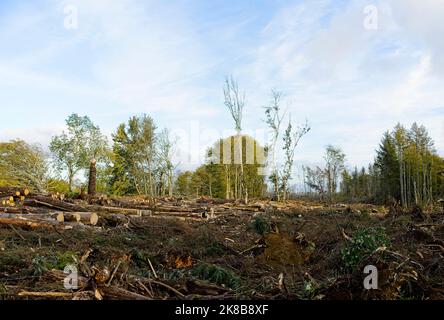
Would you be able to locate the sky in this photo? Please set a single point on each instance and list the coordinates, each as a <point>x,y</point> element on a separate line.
<point>351,75</point>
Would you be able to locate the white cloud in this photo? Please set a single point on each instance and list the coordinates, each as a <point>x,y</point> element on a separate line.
<point>129,57</point>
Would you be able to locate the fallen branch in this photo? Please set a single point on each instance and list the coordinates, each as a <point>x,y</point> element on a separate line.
<point>45,294</point>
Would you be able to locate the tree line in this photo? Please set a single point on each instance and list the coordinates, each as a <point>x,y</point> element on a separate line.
<point>406,169</point>
<point>139,160</point>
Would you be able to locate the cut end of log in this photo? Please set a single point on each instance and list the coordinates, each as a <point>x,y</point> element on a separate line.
<point>60,217</point>
<point>94,219</point>
<point>90,218</point>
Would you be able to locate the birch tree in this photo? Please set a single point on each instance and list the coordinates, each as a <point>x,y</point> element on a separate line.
<point>291,139</point>
<point>235,102</point>
<point>334,165</point>
<point>274,118</point>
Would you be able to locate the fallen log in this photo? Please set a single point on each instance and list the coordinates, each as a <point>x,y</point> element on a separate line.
<point>23,210</point>
<point>116,293</point>
<point>203,288</point>
<point>13,191</point>
<point>177,214</point>
<point>174,209</point>
<point>126,211</point>
<point>242,208</point>
<point>38,201</point>
<point>28,224</point>
<point>42,216</point>
<point>91,218</point>
<point>45,294</point>
<point>59,276</point>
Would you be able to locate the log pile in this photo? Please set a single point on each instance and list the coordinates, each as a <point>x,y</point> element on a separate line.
<point>32,210</point>
<point>21,207</point>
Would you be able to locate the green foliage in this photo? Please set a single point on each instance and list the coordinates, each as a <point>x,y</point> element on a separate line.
<point>260,225</point>
<point>408,167</point>
<point>183,183</point>
<point>291,139</point>
<point>216,274</point>
<point>134,151</point>
<point>364,243</point>
<point>220,177</point>
<point>72,150</point>
<point>23,165</point>
<point>41,264</point>
<point>58,185</point>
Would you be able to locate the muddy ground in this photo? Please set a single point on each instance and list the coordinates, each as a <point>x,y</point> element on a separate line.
<point>300,250</point>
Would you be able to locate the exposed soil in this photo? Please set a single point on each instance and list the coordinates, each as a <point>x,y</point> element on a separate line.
<point>271,251</point>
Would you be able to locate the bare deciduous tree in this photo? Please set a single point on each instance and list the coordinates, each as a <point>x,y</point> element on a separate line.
<point>291,140</point>
<point>273,119</point>
<point>235,102</point>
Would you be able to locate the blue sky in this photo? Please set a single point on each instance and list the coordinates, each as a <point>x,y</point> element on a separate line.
<point>169,59</point>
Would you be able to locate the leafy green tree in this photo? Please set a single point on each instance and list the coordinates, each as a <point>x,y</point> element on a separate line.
<point>334,164</point>
<point>121,180</point>
<point>75,148</point>
<point>134,160</point>
<point>183,183</point>
<point>23,165</point>
<point>291,139</point>
<point>224,169</point>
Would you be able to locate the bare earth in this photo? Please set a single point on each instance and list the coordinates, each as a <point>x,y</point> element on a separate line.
<point>212,249</point>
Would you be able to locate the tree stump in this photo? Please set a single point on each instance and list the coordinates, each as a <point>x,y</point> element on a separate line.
<point>92,178</point>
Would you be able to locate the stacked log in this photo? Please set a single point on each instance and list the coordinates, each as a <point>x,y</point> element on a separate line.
<point>90,218</point>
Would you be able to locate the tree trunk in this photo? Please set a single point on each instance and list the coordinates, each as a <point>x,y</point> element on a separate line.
<point>92,178</point>
<point>170,184</point>
<point>70,179</point>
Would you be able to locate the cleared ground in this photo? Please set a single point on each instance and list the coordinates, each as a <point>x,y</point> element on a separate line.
<point>217,250</point>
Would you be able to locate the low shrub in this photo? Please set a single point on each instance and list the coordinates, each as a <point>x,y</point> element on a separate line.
<point>364,242</point>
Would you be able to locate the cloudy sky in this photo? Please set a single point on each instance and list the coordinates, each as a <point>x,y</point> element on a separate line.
<point>169,59</point>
